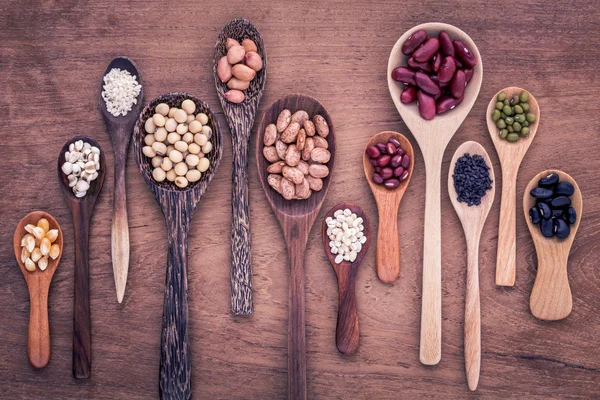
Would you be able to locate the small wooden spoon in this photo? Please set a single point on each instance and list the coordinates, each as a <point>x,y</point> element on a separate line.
<point>551,295</point>
<point>240,118</point>
<point>347,332</point>
<point>178,206</point>
<point>120,130</point>
<point>472,220</point>
<point>510,155</point>
<point>433,137</point>
<point>38,283</point>
<point>388,202</point>
<point>296,218</point>
<point>81,210</point>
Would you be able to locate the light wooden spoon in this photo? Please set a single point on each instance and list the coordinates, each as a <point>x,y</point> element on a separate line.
<point>38,283</point>
<point>510,155</point>
<point>388,202</point>
<point>433,137</point>
<point>472,220</point>
<point>551,295</point>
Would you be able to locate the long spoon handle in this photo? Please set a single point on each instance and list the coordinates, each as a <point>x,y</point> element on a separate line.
<point>551,297</point>
<point>507,231</point>
<point>38,343</point>
<point>120,226</point>
<point>347,332</point>
<point>472,315</point>
<point>388,242</point>
<point>431,310</point>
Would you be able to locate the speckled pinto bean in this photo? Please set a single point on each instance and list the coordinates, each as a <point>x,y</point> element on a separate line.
<point>427,51</point>
<point>413,42</point>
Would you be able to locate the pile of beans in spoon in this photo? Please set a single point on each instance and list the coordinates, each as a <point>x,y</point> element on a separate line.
<point>436,74</point>
<point>390,163</point>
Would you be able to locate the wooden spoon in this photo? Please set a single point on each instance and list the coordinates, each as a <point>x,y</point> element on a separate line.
<point>240,118</point>
<point>81,210</point>
<point>433,137</point>
<point>388,202</point>
<point>551,295</point>
<point>347,332</point>
<point>296,218</point>
<point>510,155</point>
<point>120,130</point>
<point>178,206</point>
<point>472,220</point>
<point>38,283</point>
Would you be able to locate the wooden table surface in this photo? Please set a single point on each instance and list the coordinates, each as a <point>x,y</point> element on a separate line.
<point>52,55</point>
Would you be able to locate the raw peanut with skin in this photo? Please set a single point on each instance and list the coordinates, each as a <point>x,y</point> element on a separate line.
<point>309,127</point>
<point>283,120</point>
<point>315,184</point>
<point>320,142</point>
<point>243,72</point>
<point>293,174</point>
<point>303,166</point>
<point>224,69</point>
<point>231,42</point>
<point>270,135</point>
<point>288,189</point>
<point>234,96</point>
<point>318,171</point>
<point>301,139</point>
<point>275,182</point>
<point>308,148</point>
<point>299,117</point>
<point>427,51</point>
<point>290,134</point>
<point>235,83</point>
<point>281,148</point>
<point>320,155</point>
<point>276,168</point>
<point>321,126</point>
<point>249,45</point>
<point>235,54</point>
<point>303,189</point>
<point>292,155</point>
<point>413,42</point>
<point>270,154</point>
<point>254,60</point>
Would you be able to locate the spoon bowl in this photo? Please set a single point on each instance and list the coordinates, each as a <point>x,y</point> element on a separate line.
<point>347,331</point>
<point>551,298</point>
<point>38,284</point>
<point>510,154</point>
<point>296,218</point>
<point>433,137</point>
<point>388,202</point>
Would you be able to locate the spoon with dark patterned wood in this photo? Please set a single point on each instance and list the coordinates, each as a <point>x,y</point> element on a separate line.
<point>178,206</point>
<point>296,218</point>
<point>347,332</point>
<point>120,130</point>
<point>81,210</point>
<point>240,118</point>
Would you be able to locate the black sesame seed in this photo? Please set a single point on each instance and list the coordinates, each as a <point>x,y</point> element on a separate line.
<point>471,179</point>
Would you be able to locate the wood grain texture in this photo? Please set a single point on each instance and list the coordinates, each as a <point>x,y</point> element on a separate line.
<point>52,56</point>
<point>551,297</point>
<point>240,118</point>
<point>511,155</point>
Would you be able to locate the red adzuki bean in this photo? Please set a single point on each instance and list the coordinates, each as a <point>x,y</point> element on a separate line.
<point>381,146</point>
<point>404,176</point>
<point>377,178</point>
<point>390,148</point>
<point>405,161</point>
<point>414,41</point>
<point>457,87</point>
<point>464,54</point>
<point>404,75</point>
<point>447,70</point>
<point>387,173</point>
<point>419,66</point>
<point>396,161</point>
<point>383,161</point>
<point>391,183</point>
<point>446,44</point>
<point>426,105</point>
<point>447,103</point>
<point>408,95</point>
<point>427,51</point>
<point>373,151</point>
<point>398,171</point>
<point>373,161</point>
<point>426,84</point>
<point>394,141</point>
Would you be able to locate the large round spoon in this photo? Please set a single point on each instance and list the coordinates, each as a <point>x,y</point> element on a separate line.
<point>240,118</point>
<point>296,218</point>
<point>38,284</point>
<point>347,332</point>
<point>388,202</point>
<point>81,211</point>
<point>472,220</point>
<point>178,206</point>
<point>551,294</point>
<point>510,154</point>
<point>120,130</point>
<point>433,137</point>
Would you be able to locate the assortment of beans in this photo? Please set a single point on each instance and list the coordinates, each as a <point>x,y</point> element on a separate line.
<point>345,232</point>
<point>553,211</point>
<point>82,163</point>
<point>297,149</point>
<point>512,116</point>
<point>471,179</point>
<point>391,164</point>
<point>120,91</point>
<point>177,141</point>
<point>436,73</point>
<point>238,68</point>
<point>38,245</point>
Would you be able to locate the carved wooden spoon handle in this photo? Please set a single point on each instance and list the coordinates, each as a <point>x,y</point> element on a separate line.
<point>347,332</point>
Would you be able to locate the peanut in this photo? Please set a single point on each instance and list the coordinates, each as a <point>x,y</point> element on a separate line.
<point>254,60</point>
<point>235,83</point>
<point>235,54</point>
<point>224,69</point>
<point>321,125</point>
<point>270,135</point>
<point>283,120</point>
<point>249,45</point>
<point>231,42</point>
<point>243,72</point>
<point>234,96</point>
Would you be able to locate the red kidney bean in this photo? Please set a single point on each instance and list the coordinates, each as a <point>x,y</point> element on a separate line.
<point>464,54</point>
<point>437,62</point>
<point>398,171</point>
<point>394,141</point>
<point>405,161</point>
<point>426,105</point>
<point>457,87</point>
<point>373,161</point>
<point>446,44</point>
<point>373,151</point>
<point>447,70</point>
<point>390,148</point>
<point>414,41</point>
<point>396,161</point>
<point>391,183</point>
<point>380,146</point>
<point>447,103</point>
<point>383,160</point>
<point>377,178</point>
<point>404,176</point>
<point>468,74</point>
<point>408,95</point>
<point>387,173</point>
<point>419,66</point>
<point>427,51</point>
<point>404,75</point>
<point>459,64</point>
<point>427,85</point>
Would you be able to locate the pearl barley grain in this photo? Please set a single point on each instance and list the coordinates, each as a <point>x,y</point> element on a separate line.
<point>120,91</point>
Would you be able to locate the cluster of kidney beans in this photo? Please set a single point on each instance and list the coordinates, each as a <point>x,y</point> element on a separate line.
<point>390,163</point>
<point>553,211</point>
<point>437,73</point>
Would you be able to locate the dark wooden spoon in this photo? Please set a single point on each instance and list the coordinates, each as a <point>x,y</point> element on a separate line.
<point>81,210</point>
<point>120,129</point>
<point>296,218</point>
<point>347,332</point>
<point>178,206</point>
<point>240,118</point>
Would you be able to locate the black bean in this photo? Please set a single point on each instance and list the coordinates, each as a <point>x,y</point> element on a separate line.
<point>541,193</point>
<point>548,181</point>
<point>561,201</point>
<point>547,227</point>
<point>571,215</point>
<point>534,214</point>
<point>545,210</point>
<point>564,189</point>
<point>557,212</point>
<point>561,228</point>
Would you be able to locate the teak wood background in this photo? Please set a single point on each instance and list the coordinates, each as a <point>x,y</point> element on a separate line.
<point>52,54</point>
